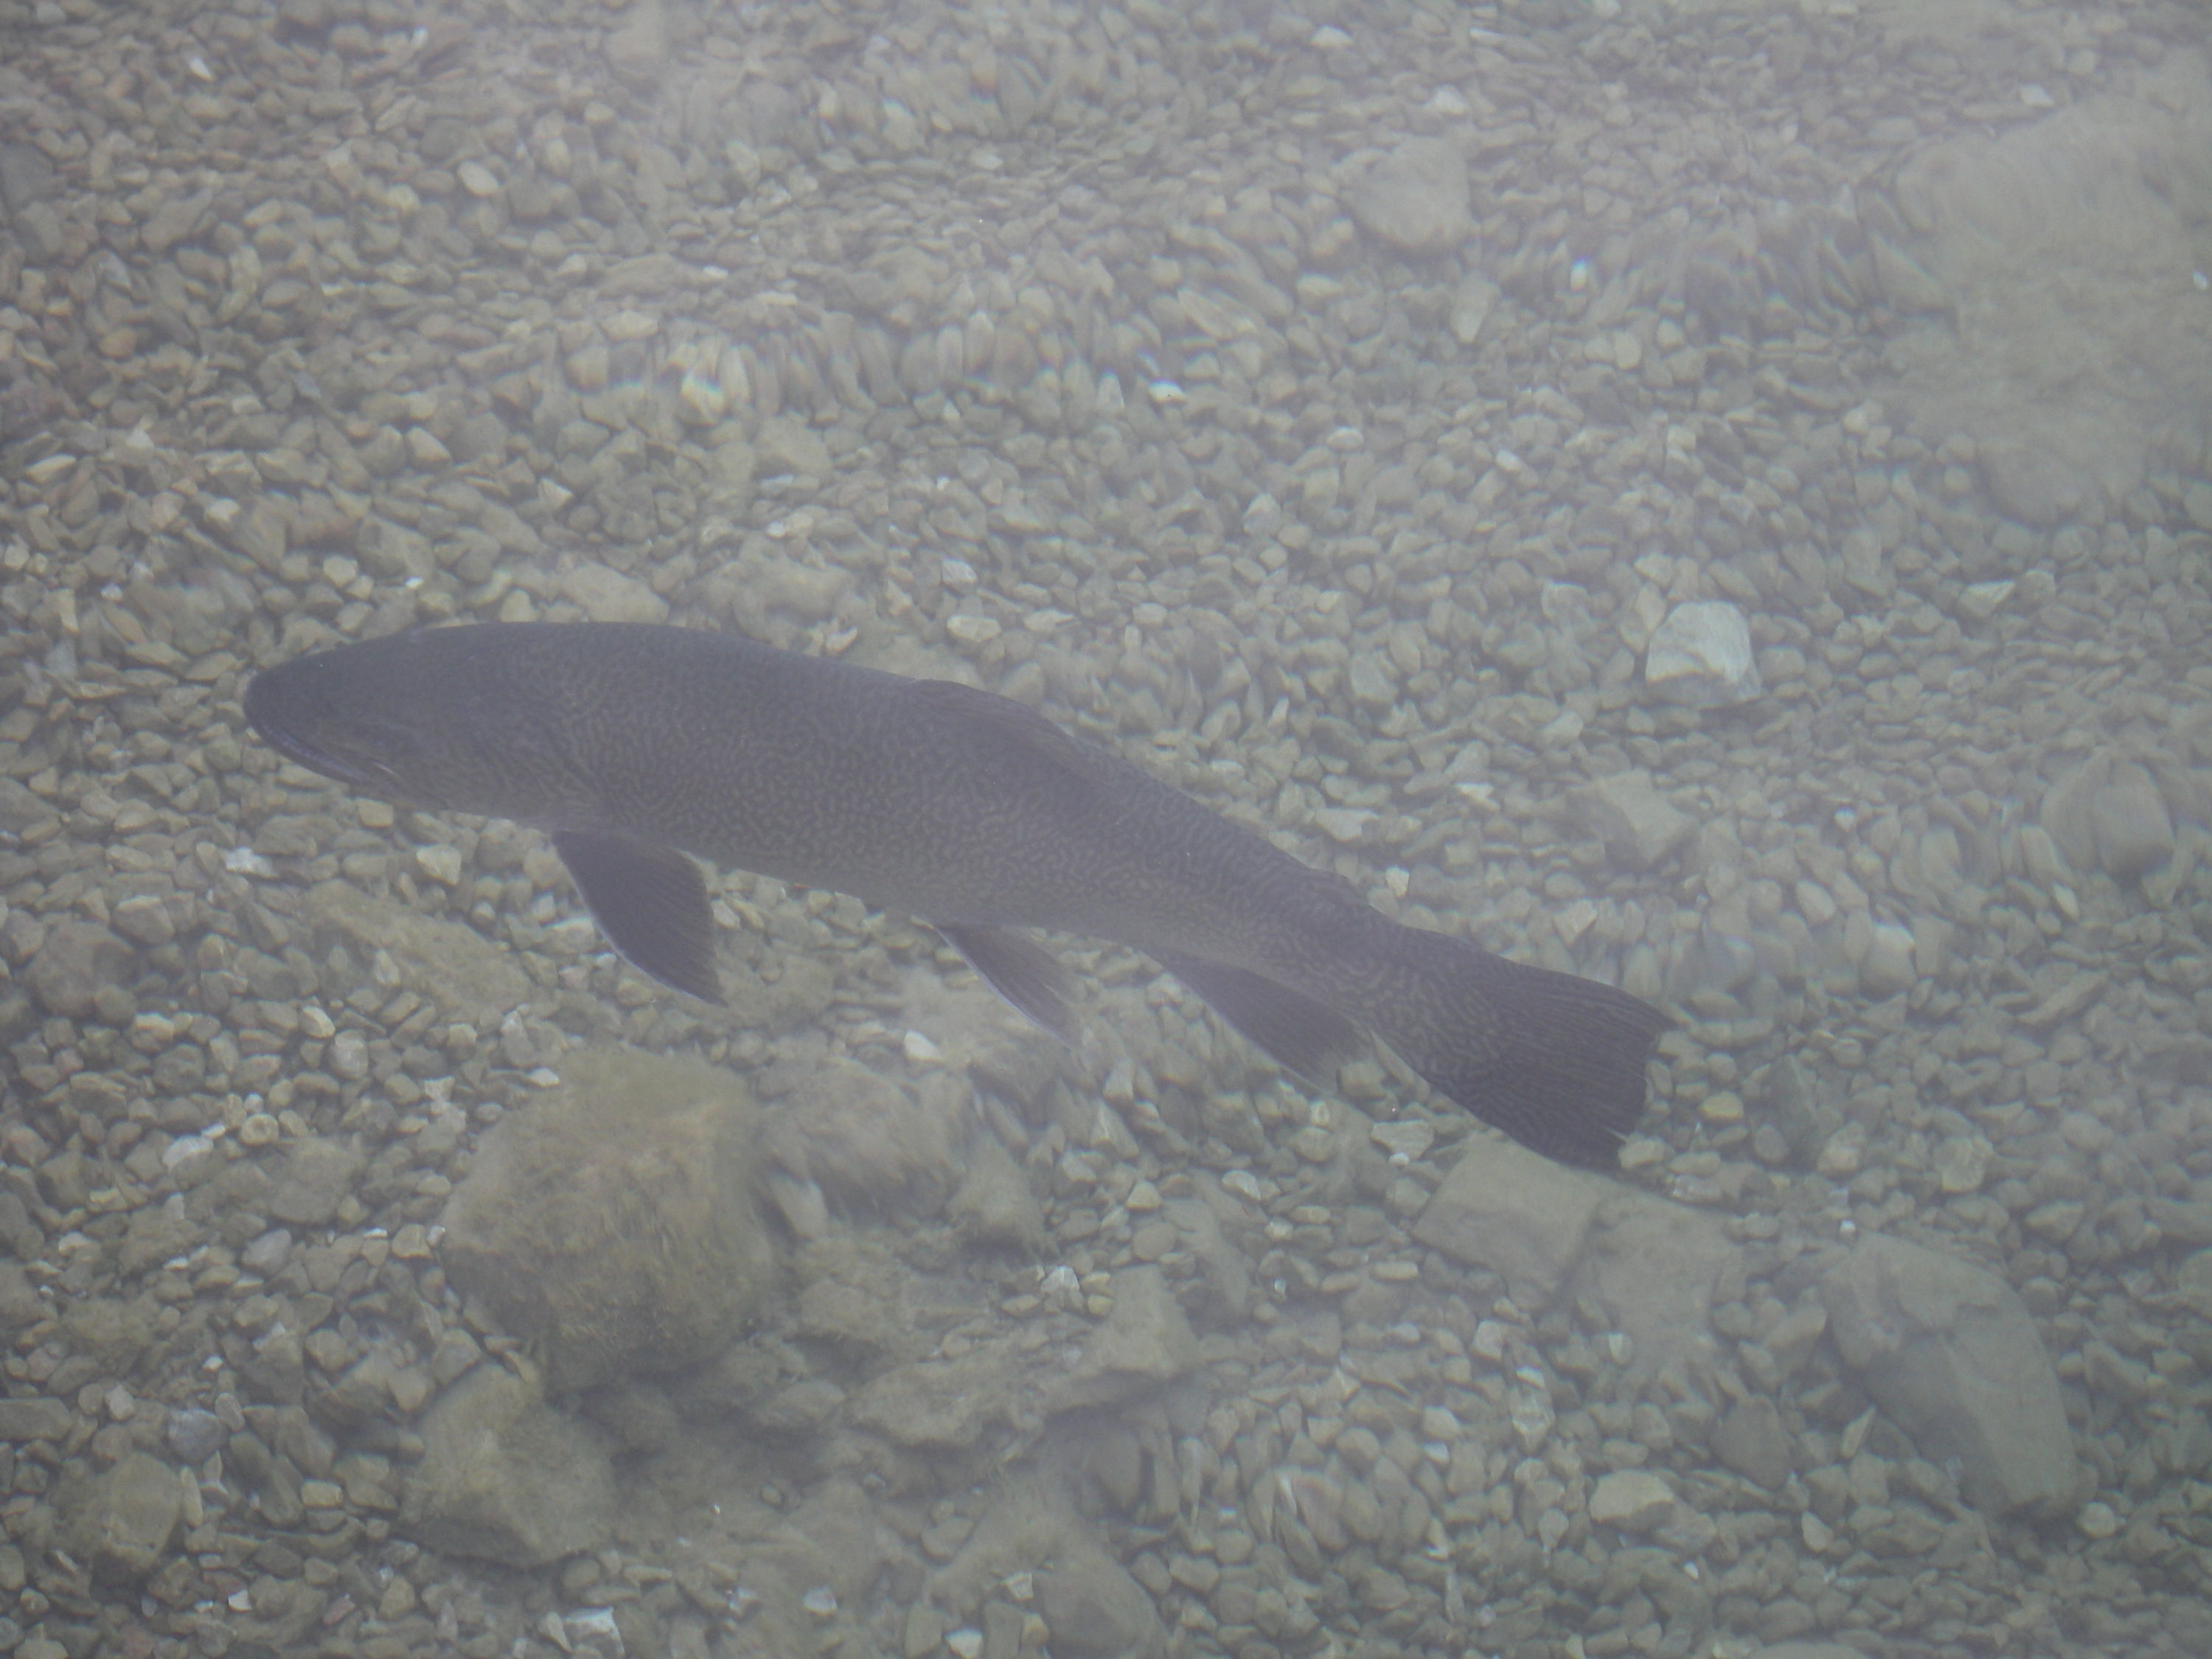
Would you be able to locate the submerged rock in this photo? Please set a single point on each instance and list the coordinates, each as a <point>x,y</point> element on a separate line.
<point>1701,656</point>
<point>872,1145</point>
<point>613,1225</point>
<point>1515,1211</point>
<point>319,1172</point>
<point>1415,198</point>
<point>1952,1355</point>
<point>506,1478</point>
<point>1146,1342</point>
<point>1638,825</point>
<point>122,1520</point>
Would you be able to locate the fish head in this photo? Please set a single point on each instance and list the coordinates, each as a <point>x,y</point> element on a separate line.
<point>428,719</point>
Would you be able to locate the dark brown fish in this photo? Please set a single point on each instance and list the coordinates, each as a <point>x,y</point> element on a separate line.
<point>634,745</point>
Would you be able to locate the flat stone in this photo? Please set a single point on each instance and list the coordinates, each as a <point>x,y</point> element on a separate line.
<point>1652,1265</point>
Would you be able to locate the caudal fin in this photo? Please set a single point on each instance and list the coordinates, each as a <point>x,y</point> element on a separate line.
<point>1553,1060</point>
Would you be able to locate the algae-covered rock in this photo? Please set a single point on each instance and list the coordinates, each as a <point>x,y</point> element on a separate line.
<point>506,1478</point>
<point>613,1226</point>
<point>995,1206</point>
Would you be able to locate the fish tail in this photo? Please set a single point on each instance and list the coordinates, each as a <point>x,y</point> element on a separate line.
<point>1555,1061</point>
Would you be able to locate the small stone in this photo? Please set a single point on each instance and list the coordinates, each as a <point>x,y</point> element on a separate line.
<point>1979,601</point>
<point>1962,1162</point>
<point>267,1254</point>
<point>1152,1241</point>
<point>2098,1519</point>
<point>1887,968</point>
<point>477,179</point>
<point>440,861</point>
<point>1409,1138</point>
<point>195,1435</point>
<point>1752,1441</point>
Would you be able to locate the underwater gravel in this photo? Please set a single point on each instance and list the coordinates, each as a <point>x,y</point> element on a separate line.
<point>1340,408</point>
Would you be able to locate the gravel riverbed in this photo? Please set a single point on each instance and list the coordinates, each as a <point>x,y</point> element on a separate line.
<point>1715,500</point>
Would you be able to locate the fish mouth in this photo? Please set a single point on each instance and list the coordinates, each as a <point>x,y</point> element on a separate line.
<point>366,774</point>
<point>370,775</point>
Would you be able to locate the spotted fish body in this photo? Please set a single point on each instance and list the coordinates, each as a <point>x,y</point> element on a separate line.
<point>639,747</point>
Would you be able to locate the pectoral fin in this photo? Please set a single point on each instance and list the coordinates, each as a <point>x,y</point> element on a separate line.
<point>1299,1033</point>
<point>651,903</point>
<point>1019,970</point>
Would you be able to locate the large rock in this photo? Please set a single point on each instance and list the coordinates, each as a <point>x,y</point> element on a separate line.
<point>319,1171</point>
<point>1701,656</point>
<point>122,1520</point>
<point>506,1478</point>
<point>468,977</point>
<point>1516,1212</point>
<point>1655,1269</point>
<point>938,1407</point>
<point>2108,813</point>
<point>1092,1608</point>
<point>613,1225</point>
<point>1638,825</point>
<point>1415,198</point>
<point>873,1144</point>
<point>1144,1342</point>
<point>75,962</point>
<point>1952,1355</point>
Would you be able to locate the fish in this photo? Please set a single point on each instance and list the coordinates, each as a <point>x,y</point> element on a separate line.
<point>642,748</point>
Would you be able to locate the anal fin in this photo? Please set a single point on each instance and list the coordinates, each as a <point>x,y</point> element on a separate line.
<point>1298,1033</point>
<point>1019,970</point>
<point>651,903</point>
